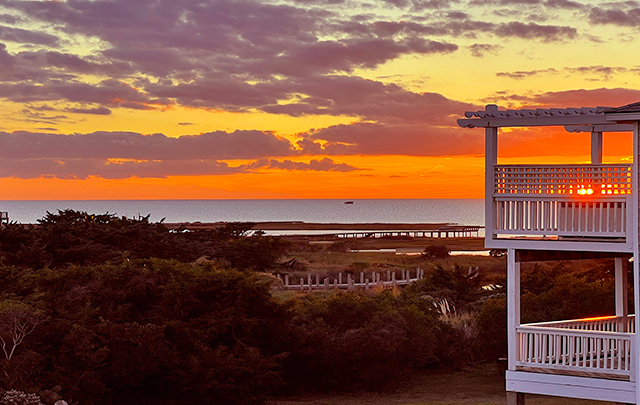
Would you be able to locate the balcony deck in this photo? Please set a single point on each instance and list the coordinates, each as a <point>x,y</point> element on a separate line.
<point>584,358</point>
<point>596,347</point>
<point>560,203</point>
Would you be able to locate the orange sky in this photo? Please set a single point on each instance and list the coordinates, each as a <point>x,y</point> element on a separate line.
<point>289,99</point>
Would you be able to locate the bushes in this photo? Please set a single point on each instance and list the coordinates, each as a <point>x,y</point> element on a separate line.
<point>190,333</point>
<point>436,252</point>
<point>76,238</point>
<point>202,334</point>
<point>358,341</point>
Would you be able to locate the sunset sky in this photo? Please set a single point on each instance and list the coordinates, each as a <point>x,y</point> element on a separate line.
<point>172,99</point>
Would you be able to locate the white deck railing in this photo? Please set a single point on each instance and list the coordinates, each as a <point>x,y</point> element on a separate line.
<point>594,347</point>
<point>563,180</point>
<point>562,201</point>
<point>602,323</point>
<point>561,217</point>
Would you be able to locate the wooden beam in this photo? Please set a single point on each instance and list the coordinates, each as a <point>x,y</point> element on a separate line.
<point>596,148</point>
<point>491,160</point>
<point>633,235</point>
<point>515,398</point>
<point>498,122</point>
<point>513,307</point>
<point>552,255</point>
<point>599,128</point>
<point>622,309</point>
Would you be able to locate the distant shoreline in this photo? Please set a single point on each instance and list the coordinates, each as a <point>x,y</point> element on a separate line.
<point>304,226</point>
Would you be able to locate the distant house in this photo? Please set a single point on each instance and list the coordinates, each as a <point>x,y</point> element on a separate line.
<point>567,212</point>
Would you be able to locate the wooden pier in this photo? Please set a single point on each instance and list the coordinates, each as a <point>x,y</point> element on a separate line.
<point>453,231</point>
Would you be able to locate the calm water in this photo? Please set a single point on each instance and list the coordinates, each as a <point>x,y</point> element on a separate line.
<point>465,212</point>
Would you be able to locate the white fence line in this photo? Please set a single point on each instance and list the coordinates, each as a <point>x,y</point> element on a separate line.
<point>563,180</point>
<point>373,280</point>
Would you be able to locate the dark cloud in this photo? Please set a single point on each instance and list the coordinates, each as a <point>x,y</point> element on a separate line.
<point>77,64</point>
<point>23,36</point>
<point>82,168</point>
<point>546,33</point>
<point>564,4</point>
<point>121,155</point>
<point>325,165</point>
<point>130,145</point>
<point>371,100</point>
<point>110,93</point>
<point>480,50</point>
<point>41,117</point>
<point>246,55</point>
<point>523,74</point>
<point>574,98</point>
<point>526,2</point>
<point>329,56</point>
<point>615,16</point>
<point>401,139</point>
<point>600,72</point>
<point>127,154</point>
<point>9,19</point>
<point>420,5</point>
<point>94,111</point>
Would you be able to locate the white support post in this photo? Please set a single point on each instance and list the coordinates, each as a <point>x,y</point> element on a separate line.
<point>635,370</point>
<point>513,306</point>
<point>491,160</point>
<point>596,148</point>
<point>622,309</point>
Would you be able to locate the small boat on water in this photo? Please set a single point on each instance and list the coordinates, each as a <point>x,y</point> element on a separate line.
<point>348,202</point>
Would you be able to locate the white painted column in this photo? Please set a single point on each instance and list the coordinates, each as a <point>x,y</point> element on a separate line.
<point>491,159</point>
<point>596,148</point>
<point>635,370</point>
<point>621,287</point>
<point>622,309</point>
<point>513,306</point>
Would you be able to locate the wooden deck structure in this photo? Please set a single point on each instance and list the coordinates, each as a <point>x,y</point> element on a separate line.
<point>547,212</point>
<point>450,231</point>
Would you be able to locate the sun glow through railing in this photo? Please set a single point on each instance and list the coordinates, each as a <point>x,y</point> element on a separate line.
<point>563,180</point>
<point>562,200</point>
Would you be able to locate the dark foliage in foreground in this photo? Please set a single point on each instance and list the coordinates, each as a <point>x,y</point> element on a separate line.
<point>109,324</point>
<point>76,238</point>
<point>148,328</point>
<point>200,334</point>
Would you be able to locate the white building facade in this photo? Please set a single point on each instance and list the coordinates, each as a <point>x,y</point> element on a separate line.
<point>567,212</point>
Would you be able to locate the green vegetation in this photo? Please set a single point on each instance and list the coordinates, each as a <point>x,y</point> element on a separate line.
<point>101,310</point>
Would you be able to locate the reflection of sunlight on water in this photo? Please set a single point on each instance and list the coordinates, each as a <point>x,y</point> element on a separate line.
<point>469,253</point>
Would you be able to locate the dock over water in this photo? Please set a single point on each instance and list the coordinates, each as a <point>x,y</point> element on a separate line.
<point>351,230</point>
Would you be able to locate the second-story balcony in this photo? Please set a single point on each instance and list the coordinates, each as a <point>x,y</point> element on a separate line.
<point>560,202</point>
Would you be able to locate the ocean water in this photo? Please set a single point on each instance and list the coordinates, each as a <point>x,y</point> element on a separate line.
<point>461,211</point>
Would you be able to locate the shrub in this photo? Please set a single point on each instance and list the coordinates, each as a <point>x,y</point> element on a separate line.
<point>436,252</point>
<point>357,341</point>
<point>14,397</point>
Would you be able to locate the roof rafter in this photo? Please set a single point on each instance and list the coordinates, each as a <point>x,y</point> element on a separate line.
<point>492,117</point>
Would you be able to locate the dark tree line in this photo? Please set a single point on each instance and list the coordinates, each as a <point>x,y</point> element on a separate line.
<point>76,238</point>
